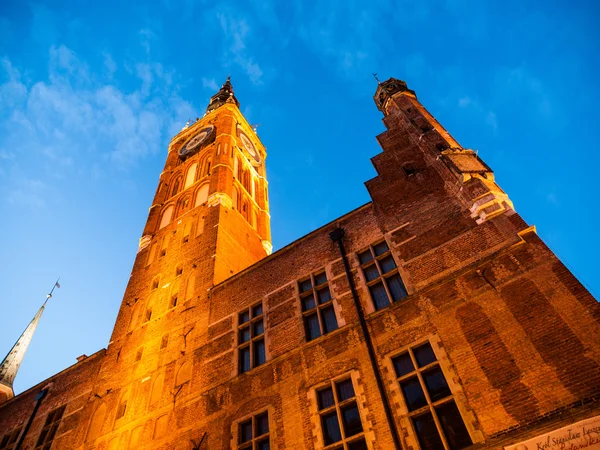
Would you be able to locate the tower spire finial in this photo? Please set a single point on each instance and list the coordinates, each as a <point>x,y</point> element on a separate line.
<point>11,363</point>
<point>225,95</point>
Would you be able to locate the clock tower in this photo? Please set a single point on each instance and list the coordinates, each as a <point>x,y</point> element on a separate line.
<point>208,221</point>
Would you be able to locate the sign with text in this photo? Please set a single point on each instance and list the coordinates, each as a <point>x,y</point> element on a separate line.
<point>581,435</point>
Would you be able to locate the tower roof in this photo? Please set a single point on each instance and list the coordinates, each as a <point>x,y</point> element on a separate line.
<point>387,89</point>
<point>11,363</point>
<point>225,95</point>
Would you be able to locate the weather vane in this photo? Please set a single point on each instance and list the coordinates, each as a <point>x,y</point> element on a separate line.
<point>375,76</point>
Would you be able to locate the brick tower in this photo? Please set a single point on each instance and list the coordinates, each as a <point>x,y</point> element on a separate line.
<point>432,317</point>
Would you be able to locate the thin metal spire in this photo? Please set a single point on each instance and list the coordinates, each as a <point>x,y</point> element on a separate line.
<point>11,363</point>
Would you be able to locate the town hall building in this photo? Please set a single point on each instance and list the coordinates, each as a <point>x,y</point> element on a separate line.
<point>432,317</point>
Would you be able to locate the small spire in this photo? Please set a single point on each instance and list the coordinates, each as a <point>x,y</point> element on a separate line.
<point>11,363</point>
<point>375,76</point>
<point>225,95</point>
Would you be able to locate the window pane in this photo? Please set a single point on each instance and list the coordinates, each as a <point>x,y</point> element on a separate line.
<point>263,445</point>
<point>262,424</point>
<point>257,310</point>
<point>454,428</point>
<point>320,278</point>
<point>244,335</point>
<point>325,398</point>
<point>365,257</point>
<point>305,285</point>
<point>436,384</point>
<point>345,390</point>
<point>311,324</point>
<point>387,264</point>
<point>259,328</point>
<point>371,272</point>
<point>424,355</point>
<point>351,419</point>
<point>358,445</point>
<point>396,287</point>
<point>244,317</point>
<point>41,440</point>
<point>413,394</point>
<point>328,319</point>
<point>244,359</point>
<point>52,432</point>
<point>245,431</point>
<point>324,295</point>
<point>380,298</point>
<point>259,352</point>
<point>403,365</point>
<point>331,428</point>
<point>380,248</point>
<point>308,302</point>
<point>428,435</point>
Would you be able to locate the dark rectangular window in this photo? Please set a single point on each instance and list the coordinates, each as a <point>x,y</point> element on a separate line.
<point>381,275</point>
<point>253,434</point>
<point>317,306</point>
<point>251,338</point>
<point>340,417</point>
<point>50,427</point>
<point>9,440</point>
<point>432,410</point>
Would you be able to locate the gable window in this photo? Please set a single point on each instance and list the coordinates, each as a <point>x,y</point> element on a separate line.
<point>253,434</point>
<point>317,307</point>
<point>9,441</point>
<point>50,427</point>
<point>431,407</point>
<point>381,274</point>
<point>341,426</point>
<point>251,338</point>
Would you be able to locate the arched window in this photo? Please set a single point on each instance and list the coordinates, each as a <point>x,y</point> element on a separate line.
<point>234,198</point>
<point>187,230</point>
<point>245,209</point>
<point>96,423</point>
<point>122,408</point>
<point>200,226</point>
<point>176,186</point>
<point>207,167</point>
<point>191,175</point>
<point>184,374</point>
<point>135,315</point>
<point>184,203</point>
<point>166,216</point>
<point>157,390</point>
<point>161,426</point>
<point>236,168</point>
<point>246,180</point>
<point>189,288</point>
<point>202,195</point>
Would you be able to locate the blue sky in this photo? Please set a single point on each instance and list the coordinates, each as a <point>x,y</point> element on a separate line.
<point>92,92</point>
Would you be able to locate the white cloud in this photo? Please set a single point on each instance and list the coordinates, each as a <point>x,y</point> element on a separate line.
<point>210,84</point>
<point>236,34</point>
<point>74,118</point>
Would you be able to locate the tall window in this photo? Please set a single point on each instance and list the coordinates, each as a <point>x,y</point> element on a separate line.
<point>251,338</point>
<point>382,276</point>
<point>253,434</point>
<point>317,307</point>
<point>431,406</point>
<point>10,439</point>
<point>340,419</point>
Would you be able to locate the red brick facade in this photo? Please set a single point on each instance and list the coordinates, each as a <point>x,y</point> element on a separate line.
<point>514,335</point>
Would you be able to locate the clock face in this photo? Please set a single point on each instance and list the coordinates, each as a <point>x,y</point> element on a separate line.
<point>248,145</point>
<point>194,144</point>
